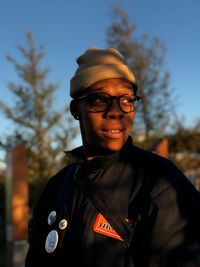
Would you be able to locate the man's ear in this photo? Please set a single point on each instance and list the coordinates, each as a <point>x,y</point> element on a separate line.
<point>74,109</point>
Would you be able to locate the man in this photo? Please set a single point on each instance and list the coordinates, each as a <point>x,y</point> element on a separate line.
<point>114,204</point>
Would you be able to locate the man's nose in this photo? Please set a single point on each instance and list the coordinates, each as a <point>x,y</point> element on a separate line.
<point>114,109</point>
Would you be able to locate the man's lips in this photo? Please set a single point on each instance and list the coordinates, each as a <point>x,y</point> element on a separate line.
<point>113,128</point>
<point>113,133</point>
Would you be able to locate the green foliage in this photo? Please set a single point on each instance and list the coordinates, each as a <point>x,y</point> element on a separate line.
<point>187,140</point>
<point>184,140</point>
<point>145,57</point>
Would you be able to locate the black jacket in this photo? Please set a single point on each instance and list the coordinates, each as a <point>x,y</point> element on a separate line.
<point>155,201</point>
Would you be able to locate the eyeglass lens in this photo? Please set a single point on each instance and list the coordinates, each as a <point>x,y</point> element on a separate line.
<point>102,102</point>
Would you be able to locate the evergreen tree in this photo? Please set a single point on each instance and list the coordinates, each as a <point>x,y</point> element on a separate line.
<point>145,57</point>
<point>34,115</point>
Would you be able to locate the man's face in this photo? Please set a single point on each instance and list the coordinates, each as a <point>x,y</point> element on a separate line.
<point>107,130</point>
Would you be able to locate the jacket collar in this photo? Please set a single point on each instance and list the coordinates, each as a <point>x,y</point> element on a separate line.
<point>77,156</point>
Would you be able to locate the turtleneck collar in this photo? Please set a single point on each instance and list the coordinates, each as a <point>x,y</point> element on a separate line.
<point>77,156</point>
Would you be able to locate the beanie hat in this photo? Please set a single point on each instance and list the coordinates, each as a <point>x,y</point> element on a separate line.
<point>96,65</point>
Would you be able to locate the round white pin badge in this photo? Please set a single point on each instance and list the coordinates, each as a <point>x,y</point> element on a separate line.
<point>52,217</point>
<point>63,224</point>
<point>51,241</point>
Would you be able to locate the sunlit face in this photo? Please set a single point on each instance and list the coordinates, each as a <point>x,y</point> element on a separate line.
<point>105,132</point>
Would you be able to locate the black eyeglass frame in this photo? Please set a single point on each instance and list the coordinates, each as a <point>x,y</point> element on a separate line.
<point>110,101</point>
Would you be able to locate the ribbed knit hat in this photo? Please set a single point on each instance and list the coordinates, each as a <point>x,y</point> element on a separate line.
<point>96,65</point>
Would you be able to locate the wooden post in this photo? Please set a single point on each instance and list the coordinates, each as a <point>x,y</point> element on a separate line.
<point>20,193</point>
<point>162,148</point>
<point>16,206</point>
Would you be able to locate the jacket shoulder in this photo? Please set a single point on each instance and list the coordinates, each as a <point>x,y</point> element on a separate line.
<point>161,172</point>
<point>154,164</point>
<point>148,159</point>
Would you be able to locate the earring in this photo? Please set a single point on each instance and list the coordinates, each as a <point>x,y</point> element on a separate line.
<point>76,117</point>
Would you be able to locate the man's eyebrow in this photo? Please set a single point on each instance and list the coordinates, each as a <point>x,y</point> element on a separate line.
<point>129,86</point>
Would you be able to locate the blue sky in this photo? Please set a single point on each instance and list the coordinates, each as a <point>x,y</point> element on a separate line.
<point>67,28</point>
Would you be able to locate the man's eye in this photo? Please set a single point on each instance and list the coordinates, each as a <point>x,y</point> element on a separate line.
<point>128,100</point>
<point>99,100</point>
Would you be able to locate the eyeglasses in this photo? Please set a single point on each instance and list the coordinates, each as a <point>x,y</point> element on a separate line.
<point>101,102</point>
